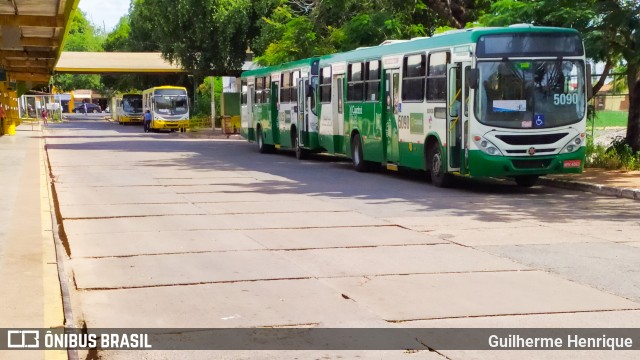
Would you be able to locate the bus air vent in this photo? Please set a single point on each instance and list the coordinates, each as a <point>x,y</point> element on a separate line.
<point>531,164</point>
<point>531,139</point>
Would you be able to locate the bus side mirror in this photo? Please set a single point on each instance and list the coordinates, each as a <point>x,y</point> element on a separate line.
<point>474,77</point>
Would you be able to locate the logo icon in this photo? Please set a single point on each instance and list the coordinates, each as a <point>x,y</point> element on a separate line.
<point>532,151</point>
<point>538,120</point>
<point>23,339</point>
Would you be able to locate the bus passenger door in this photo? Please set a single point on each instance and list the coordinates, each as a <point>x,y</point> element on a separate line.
<point>338,111</point>
<point>274,107</point>
<point>302,111</point>
<point>464,156</point>
<point>454,130</point>
<point>458,116</point>
<point>391,93</point>
<point>249,114</point>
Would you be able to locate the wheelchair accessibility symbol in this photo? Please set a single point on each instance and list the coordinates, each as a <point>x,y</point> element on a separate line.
<point>538,121</point>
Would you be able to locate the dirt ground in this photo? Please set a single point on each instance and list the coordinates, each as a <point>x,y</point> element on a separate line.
<point>604,136</point>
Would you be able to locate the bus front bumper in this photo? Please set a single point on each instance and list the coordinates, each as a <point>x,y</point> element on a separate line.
<point>484,165</point>
<point>166,124</point>
<point>131,119</point>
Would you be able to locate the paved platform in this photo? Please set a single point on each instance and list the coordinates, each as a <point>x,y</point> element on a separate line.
<point>618,183</point>
<point>28,267</point>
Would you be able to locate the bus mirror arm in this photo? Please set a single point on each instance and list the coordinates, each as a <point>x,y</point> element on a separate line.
<point>589,83</point>
<point>474,76</point>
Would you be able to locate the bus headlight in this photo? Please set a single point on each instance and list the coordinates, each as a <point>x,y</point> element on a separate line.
<point>486,146</point>
<point>573,145</point>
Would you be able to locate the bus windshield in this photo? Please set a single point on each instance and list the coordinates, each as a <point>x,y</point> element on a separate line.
<point>171,102</point>
<point>530,93</point>
<point>132,103</point>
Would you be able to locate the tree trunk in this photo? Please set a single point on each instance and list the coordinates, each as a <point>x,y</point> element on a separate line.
<point>633,126</point>
<point>603,77</point>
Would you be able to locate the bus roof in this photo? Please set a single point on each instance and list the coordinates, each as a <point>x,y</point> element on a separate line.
<point>286,66</point>
<point>165,87</point>
<point>446,39</point>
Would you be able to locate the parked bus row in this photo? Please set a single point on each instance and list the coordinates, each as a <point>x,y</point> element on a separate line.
<point>480,102</point>
<point>168,107</point>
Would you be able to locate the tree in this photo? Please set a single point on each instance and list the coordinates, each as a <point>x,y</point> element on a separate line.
<point>203,36</point>
<point>82,36</point>
<point>301,28</point>
<point>142,23</point>
<point>118,38</point>
<point>610,28</point>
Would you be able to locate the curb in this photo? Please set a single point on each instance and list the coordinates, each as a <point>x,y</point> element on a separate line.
<point>628,193</point>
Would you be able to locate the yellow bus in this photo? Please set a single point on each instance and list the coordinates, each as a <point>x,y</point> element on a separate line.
<point>169,107</point>
<point>127,108</point>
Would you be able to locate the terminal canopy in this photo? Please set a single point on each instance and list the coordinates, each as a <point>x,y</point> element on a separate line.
<point>114,62</point>
<point>31,37</point>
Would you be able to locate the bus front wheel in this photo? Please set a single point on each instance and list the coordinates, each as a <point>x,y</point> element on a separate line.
<point>436,168</point>
<point>262,147</point>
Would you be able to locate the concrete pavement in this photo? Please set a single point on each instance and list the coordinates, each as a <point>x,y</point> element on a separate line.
<point>28,267</point>
<point>171,232</point>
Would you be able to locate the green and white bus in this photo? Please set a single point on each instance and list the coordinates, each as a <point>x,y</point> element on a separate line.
<point>278,108</point>
<point>481,102</point>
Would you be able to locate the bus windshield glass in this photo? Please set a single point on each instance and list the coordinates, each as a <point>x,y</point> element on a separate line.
<point>132,103</point>
<point>171,102</point>
<point>530,93</point>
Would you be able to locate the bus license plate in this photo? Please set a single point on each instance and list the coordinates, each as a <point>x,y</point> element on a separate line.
<point>572,163</point>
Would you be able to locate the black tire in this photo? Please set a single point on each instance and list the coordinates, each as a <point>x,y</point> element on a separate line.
<point>301,154</point>
<point>357,155</point>
<point>435,166</point>
<point>526,180</point>
<point>262,147</point>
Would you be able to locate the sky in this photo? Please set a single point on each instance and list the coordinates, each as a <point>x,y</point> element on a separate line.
<point>104,12</point>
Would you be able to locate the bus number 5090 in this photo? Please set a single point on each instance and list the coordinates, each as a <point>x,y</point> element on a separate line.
<point>565,99</point>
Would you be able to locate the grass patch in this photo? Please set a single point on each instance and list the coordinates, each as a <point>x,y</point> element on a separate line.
<point>605,118</point>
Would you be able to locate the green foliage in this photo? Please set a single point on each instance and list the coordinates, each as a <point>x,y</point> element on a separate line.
<point>617,156</point>
<point>82,36</point>
<point>142,22</point>
<point>302,28</point>
<point>298,41</point>
<point>118,39</point>
<point>200,35</point>
<point>69,82</point>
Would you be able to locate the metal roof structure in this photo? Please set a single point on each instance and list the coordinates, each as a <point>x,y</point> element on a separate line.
<point>31,37</point>
<point>114,62</point>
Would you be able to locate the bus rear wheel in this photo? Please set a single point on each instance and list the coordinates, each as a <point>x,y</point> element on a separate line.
<point>526,180</point>
<point>300,152</point>
<point>436,167</point>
